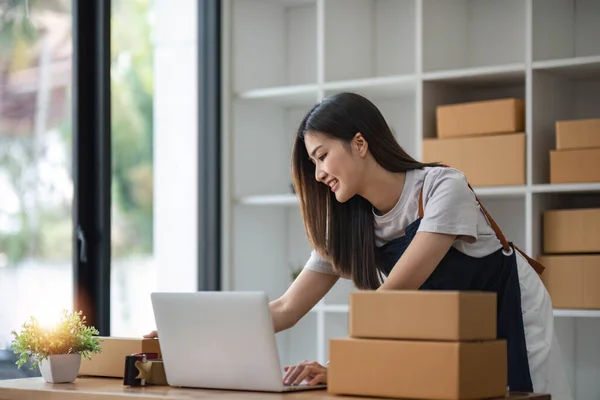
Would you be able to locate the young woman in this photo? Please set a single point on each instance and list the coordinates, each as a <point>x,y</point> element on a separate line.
<point>378,217</point>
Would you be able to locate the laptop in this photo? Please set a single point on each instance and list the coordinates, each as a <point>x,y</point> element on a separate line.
<point>219,340</point>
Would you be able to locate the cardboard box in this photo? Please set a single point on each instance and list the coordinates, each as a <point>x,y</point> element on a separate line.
<point>575,166</point>
<point>573,281</point>
<point>572,231</point>
<point>577,134</point>
<point>480,118</point>
<point>111,362</point>
<point>496,160</point>
<point>417,369</point>
<point>423,315</point>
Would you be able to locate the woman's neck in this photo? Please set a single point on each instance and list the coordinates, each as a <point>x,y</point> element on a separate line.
<point>383,189</point>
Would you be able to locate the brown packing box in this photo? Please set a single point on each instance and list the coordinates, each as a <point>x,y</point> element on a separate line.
<point>480,118</point>
<point>423,315</point>
<point>577,134</point>
<point>575,166</point>
<point>572,231</point>
<point>417,369</point>
<point>111,362</point>
<point>486,160</point>
<point>573,281</point>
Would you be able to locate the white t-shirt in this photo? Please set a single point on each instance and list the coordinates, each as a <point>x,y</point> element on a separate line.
<point>449,207</point>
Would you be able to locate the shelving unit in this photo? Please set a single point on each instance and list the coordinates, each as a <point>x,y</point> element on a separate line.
<point>408,57</point>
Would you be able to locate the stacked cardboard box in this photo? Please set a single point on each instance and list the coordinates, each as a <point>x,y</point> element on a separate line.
<point>577,155</point>
<point>111,361</point>
<point>484,139</point>
<point>420,345</point>
<point>571,245</point>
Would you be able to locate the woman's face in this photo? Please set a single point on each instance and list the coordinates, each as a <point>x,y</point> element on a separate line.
<point>337,165</point>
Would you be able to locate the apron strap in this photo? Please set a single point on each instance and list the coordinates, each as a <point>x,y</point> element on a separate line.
<point>538,267</point>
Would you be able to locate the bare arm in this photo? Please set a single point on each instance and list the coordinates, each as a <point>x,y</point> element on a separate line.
<point>418,261</point>
<point>303,294</point>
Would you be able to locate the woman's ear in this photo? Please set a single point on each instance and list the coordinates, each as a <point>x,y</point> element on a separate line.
<point>360,144</point>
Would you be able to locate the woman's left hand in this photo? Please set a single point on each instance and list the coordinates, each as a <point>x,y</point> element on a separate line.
<point>310,371</point>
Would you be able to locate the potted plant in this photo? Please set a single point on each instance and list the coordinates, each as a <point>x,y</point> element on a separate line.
<point>58,350</point>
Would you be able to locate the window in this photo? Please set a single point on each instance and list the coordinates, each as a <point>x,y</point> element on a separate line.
<point>36,184</point>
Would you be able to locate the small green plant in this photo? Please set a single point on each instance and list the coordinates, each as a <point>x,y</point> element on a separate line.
<point>69,336</point>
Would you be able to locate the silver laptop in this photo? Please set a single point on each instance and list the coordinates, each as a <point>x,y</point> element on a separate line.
<point>219,340</point>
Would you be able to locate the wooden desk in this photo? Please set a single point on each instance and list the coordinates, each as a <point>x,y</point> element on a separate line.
<point>100,388</point>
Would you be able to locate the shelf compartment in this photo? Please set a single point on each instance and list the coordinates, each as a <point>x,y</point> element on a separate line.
<point>263,135</point>
<point>563,29</point>
<point>251,264</point>
<point>557,201</point>
<point>460,34</point>
<point>467,88</point>
<point>273,43</point>
<point>509,213</point>
<point>559,93</point>
<point>369,38</point>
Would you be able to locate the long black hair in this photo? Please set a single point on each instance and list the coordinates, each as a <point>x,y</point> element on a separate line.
<point>344,233</point>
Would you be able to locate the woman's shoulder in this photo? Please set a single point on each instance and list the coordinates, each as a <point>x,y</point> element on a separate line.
<point>431,178</point>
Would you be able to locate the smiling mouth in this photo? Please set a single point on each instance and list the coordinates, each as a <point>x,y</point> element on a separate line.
<point>334,184</point>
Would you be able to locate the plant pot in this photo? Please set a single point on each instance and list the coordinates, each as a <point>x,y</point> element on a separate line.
<point>60,368</point>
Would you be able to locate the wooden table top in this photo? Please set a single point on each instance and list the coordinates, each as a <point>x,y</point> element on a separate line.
<point>106,388</point>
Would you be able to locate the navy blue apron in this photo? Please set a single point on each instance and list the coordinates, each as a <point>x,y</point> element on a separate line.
<point>496,272</point>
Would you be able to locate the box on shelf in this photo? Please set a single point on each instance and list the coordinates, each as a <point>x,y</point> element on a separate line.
<point>497,160</point>
<point>577,134</point>
<point>575,166</point>
<point>111,361</point>
<point>422,314</point>
<point>572,231</point>
<point>417,369</point>
<point>573,281</point>
<point>480,118</point>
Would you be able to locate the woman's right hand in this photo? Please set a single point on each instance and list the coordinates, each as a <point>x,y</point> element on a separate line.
<point>311,372</point>
<point>151,335</point>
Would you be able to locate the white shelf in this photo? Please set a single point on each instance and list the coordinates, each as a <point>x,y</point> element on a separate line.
<point>566,188</point>
<point>292,199</point>
<point>343,308</point>
<point>270,200</point>
<point>408,57</point>
<point>482,75</point>
<point>331,308</point>
<point>576,313</point>
<point>500,191</point>
<point>572,68</point>
<point>388,86</point>
<point>285,95</point>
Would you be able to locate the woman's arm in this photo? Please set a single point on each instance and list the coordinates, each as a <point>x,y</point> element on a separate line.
<point>422,256</point>
<point>303,294</point>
